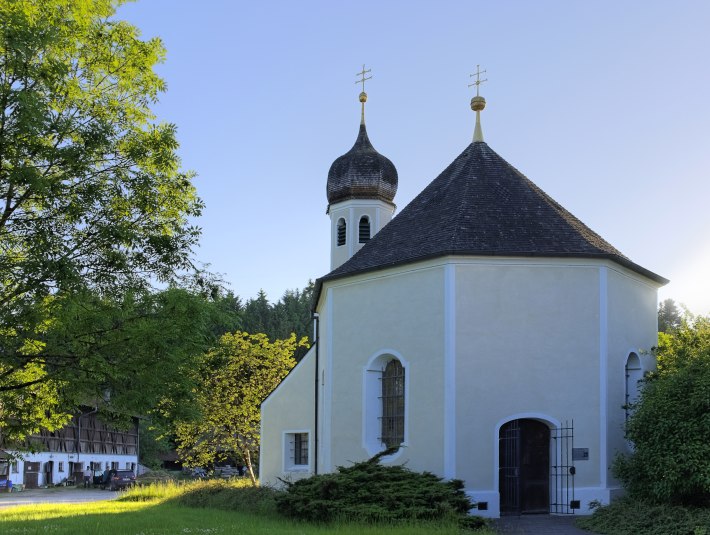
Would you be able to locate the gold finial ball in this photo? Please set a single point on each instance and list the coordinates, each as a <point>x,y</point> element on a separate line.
<point>363,97</point>
<point>478,103</point>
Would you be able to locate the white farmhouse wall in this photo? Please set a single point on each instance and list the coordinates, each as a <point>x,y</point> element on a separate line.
<point>124,462</point>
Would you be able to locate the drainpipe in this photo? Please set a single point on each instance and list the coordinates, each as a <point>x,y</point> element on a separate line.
<point>316,338</point>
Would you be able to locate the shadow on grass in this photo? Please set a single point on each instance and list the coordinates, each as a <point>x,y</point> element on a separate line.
<point>132,515</point>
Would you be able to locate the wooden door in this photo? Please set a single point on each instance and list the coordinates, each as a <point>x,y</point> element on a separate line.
<point>31,478</point>
<point>524,467</point>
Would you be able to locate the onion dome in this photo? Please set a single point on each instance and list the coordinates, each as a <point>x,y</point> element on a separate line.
<point>362,172</point>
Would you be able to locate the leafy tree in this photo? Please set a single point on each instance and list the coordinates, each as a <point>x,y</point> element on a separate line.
<point>669,317</point>
<point>670,424</point>
<point>233,380</point>
<point>127,356</point>
<point>93,204</point>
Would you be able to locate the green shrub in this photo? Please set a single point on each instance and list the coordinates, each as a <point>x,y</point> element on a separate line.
<point>670,425</point>
<point>233,495</point>
<point>370,492</point>
<point>629,516</point>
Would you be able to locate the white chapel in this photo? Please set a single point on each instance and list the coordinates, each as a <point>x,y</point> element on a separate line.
<point>484,331</point>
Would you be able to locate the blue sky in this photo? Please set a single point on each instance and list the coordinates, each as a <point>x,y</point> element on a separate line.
<point>604,105</point>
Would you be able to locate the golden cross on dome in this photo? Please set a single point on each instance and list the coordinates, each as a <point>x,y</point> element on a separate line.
<point>478,81</point>
<point>363,78</point>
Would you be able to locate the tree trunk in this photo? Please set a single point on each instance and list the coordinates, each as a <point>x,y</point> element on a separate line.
<point>247,459</point>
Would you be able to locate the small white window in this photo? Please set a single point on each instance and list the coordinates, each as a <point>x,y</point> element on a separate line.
<point>114,465</point>
<point>15,467</point>
<point>61,466</point>
<point>296,451</point>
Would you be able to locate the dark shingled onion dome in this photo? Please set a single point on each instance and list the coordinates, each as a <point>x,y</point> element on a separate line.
<point>362,173</point>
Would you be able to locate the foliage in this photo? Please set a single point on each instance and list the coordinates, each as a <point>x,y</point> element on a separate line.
<point>669,317</point>
<point>155,478</point>
<point>371,492</point>
<point>233,379</point>
<point>152,447</point>
<point>232,494</point>
<point>94,208</point>
<point>290,314</point>
<point>670,424</point>
<point>125,356</point>
<point>627,516</point>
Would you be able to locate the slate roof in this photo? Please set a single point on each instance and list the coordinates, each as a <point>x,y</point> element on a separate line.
<point>361,173</point>
<point>481,205</point>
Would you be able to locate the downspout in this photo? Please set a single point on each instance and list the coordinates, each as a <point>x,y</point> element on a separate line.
<point>316,337</point>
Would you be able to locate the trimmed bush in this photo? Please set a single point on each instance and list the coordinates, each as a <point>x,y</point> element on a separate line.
<point>370,492</point>
<point>628,516</point>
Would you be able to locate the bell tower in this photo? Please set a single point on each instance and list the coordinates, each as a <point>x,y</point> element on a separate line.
<point>361,187</point>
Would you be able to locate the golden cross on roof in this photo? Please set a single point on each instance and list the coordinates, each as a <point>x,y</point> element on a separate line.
<point>478,81</point>
<point>363,79</point>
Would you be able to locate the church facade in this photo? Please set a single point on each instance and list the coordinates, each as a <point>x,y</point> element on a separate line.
<point>485,333</point>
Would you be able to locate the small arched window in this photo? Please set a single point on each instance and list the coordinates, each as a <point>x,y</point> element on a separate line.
<point>634,374</point>
<point>364,230</point>
<point>341,232</point>
<point>392,433</point>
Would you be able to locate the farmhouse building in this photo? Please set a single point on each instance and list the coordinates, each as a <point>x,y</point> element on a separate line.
<point>60,457</point>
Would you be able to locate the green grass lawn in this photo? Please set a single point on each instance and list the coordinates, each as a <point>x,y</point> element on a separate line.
<point>154,516</point>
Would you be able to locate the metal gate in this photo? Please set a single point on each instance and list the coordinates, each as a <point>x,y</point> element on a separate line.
<point>562,470</point>
<point>524,467</point>
<point>509,467</point>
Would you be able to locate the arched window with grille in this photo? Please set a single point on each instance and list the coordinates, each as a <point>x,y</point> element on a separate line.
<point>364,229</point>
<point>392,418</point>
<point>634,374</point>
<point>341,232</point>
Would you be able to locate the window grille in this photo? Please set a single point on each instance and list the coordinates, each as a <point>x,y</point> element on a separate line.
<point>300,449</point>
<point>392,404</point>
<point>341,232</point>
<point>364,230</point>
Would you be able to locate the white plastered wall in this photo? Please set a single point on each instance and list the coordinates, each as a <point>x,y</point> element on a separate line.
<point>290,408</point>
<point>378,212</point>
<point>633,328</point>
<point>395,312</point>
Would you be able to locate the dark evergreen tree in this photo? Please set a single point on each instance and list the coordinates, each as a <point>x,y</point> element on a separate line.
<point>669,317</point>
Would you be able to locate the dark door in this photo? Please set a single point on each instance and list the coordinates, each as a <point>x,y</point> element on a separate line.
<point>31,478</point>
<point>524,467</point>
<point>48,471</point>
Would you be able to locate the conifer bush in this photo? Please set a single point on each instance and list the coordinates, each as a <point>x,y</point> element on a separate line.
<point>371,492</point>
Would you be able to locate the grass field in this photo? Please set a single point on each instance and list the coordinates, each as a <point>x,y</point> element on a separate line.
<point>154,511</point>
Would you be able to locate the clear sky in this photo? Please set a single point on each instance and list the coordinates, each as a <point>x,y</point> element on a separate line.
<point>605,105</point>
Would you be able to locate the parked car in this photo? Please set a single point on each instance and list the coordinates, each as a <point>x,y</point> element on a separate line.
<point>118,479</point>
